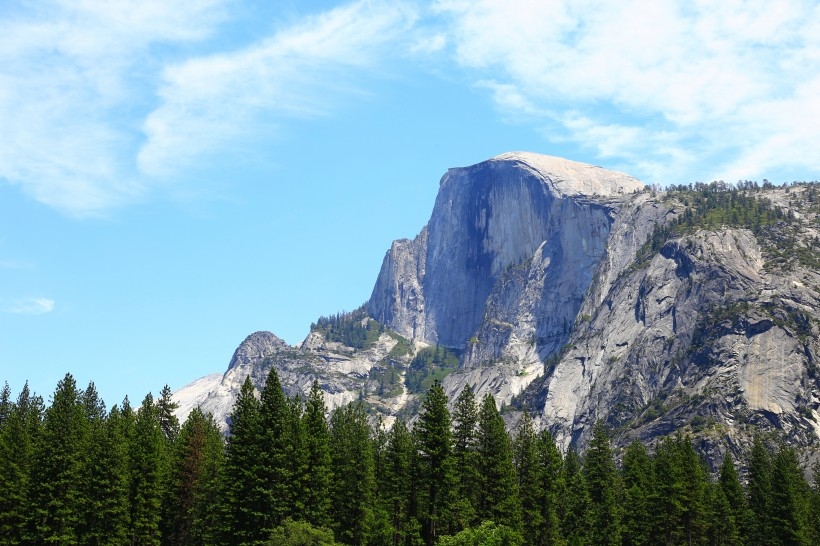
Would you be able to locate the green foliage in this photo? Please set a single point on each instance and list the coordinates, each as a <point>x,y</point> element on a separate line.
<point>300,533</point>
<point>434,443</point>
<point>498,486</point>
<point>319,475</point>
<point>465,460</point>
<point>354,481</point>
<point>430,364</point>
<point>486,534</point>
<point>603,486</point>
<point>354,329</point>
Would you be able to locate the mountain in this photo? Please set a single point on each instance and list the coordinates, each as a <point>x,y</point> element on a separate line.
<point>579,293</point>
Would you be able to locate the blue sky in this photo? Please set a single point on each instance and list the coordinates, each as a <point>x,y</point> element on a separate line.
<point>177,175</point>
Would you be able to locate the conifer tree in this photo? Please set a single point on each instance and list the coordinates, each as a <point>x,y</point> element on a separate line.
<point>149,466</point>
<point>530,481</point>
<point>105,477</point>
<point>276,419</point>
<point>732,490</point>
<point>56,495</point>
<point>789,499</point>
<point>435,458</point>
<point>354,482</point>
<point>318,472</point>
<point>168,421</point>
<point>637,479</point>
<point>245,497</point>
<point>193,485</point>
<point>19,434</point>
<point>465,464</point>
<point>397,483</point>
<point>499,490</point>
<point>602,485</point>
<point>553,489</point>
<point>759,495</point>
<point>575,505</point>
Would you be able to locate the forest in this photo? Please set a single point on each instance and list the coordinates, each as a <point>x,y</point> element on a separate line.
<point>287,474</point>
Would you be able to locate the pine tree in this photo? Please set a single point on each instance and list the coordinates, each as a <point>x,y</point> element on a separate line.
<point>193,484</point>
<point>530,481</point>
<point>789,499</point>
<point>149,466</point>
<point>56,496</point>
<point>354,482</point>
<point>637,478</point>
<point>245,496</point>
<point>759,495</point>
<point>276,419</point>
<point>19,434</point>
<point>553,489</point>
<point>105,477</point>
<point>576,504</point>
<point>397,483</point>
<point>732,490</point>
<point>168,421</point>
<point>465,463</point>
<point>602,485</point>
<point>435,458</point>
<point>317,445</point>
<point>499,491</point>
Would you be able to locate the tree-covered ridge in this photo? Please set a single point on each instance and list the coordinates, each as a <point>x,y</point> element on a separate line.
<point>745,205</point>
<point>354,329</point>
<point>430,364</point>
<point>77,473</point>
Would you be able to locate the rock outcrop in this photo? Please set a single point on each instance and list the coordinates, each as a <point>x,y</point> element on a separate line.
<point>564,289</point>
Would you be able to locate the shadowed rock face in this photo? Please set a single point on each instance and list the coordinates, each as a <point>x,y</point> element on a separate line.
<point>489,218</point>
<point>529,269</point>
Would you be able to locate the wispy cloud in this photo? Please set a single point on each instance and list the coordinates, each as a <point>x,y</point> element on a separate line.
<point>672,85</point>
<point>73,77</point>
<point>29,306</point>
<point>301,71</point>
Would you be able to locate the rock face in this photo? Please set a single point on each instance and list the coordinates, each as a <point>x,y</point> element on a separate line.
<point>559,290</point>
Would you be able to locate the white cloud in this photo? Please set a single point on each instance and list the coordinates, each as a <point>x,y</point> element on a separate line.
<point>678,84</point>
<point>209,102</point>
<point>72,82</point>
<point>29,306</point>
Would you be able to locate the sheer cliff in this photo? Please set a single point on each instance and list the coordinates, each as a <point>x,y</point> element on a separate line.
<point>578,294</point>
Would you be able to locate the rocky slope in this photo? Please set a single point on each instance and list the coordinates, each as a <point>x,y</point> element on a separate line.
<point>576,293</point>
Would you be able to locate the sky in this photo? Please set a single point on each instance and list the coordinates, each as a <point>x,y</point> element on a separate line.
<point>177,175</point>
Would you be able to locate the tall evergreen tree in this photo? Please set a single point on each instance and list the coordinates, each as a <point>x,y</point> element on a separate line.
<point>354,482</point>
<point>527,459</point>
<point>552,487</point>
<point>759,494</point>
<point>637,480</point>
<point>19,434</point>
<point>276,420</point>
<point>168,421</point>
<point>499,490</point>
<point>194,482</point>
<point>732,490</point>
<point>789,499</point>
<point>245,496</point>
<point>465,463</point>
<point>56,494</point>
<point>318,471</point>
<point>397,484</point>
<point>576,504</point>
<point>435,458</point>
<point>602,485</point>
<point>149,467</point>
<point>105,477</point>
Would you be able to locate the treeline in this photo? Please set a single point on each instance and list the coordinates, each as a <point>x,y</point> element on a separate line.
<point>354,329</point>
<point>75,473</point>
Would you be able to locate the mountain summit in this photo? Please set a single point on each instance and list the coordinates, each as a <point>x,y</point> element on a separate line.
<point>578,294</point>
